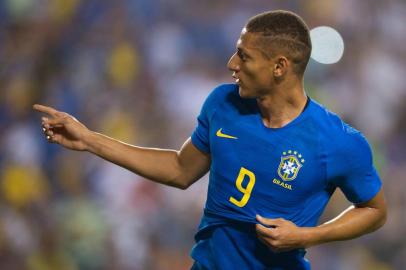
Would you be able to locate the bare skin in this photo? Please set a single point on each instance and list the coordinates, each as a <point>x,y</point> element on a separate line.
<point>279,91</point>
<point>182,168</point>
<point>281,98</point>
<point>355,221</point>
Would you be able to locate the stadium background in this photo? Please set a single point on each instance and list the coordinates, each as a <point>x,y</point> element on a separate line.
<point>139,70</point>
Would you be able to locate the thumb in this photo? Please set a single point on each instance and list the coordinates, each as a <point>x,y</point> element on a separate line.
<point>54,122</point>
<point>267,222</point>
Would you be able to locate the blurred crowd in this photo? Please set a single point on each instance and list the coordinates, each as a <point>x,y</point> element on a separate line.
<point>138,71</point>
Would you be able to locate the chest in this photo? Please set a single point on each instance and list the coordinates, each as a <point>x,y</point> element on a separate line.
<point>286,164</point>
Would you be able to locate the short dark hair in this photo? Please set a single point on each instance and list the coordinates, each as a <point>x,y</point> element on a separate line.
<point>287,33</point>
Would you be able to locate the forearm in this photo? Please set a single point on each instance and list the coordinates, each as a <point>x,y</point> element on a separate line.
<point>174,168</point>
<point>159,165</point>
<point>352,223</point>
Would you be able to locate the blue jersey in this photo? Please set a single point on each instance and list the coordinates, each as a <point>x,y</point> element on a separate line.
<point>289,172</point>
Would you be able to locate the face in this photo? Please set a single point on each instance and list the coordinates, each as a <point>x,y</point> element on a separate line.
<point>251,66</point>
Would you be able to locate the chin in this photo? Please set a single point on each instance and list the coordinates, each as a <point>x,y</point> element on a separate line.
<point>244,93</point>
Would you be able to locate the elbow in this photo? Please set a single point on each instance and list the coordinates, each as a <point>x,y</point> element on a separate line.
<point>185,183</point>
<point>383,218</point>
<point>380,220</point>
<point>382,208</point>
<point>383,215</point>
<point>183,186</point>
<point>180,183</point>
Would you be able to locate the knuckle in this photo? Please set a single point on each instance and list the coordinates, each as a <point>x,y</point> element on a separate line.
<point>67,118</point>
<point>273,243</point>
<point>260,235</point>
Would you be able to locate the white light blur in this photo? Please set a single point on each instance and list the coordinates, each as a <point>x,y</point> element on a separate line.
<point>328,45</point>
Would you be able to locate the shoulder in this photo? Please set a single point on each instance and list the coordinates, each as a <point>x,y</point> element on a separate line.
<point>327,120</point>
<point>334,127</point>
<point>220,95</point>
<point>340,137</point>
<point>354,147</point>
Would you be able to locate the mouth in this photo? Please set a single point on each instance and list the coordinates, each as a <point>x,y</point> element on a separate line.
<point>237,80</point>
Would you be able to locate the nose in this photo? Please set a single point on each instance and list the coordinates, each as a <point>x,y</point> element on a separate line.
<point>232,64</point>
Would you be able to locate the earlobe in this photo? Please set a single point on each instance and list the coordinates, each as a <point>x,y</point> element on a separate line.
<point>280,67</point>
<point>277,70</point>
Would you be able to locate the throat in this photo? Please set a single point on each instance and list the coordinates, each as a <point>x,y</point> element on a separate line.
<point>276,123</point>
<point>280,115</point>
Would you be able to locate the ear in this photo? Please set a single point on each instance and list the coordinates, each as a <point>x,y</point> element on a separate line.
<point>280,67</point>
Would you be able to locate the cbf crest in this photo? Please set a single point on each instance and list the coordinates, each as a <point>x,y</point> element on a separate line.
<point>291,162</point>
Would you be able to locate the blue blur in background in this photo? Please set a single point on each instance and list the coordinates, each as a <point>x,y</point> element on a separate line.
<point>138,71</point>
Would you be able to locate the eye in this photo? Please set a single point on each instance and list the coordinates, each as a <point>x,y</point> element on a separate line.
<point>242,55</point>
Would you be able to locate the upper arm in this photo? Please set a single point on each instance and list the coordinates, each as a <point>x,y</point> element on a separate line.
<point>192,162</point>
<point>194,156</point>
<point>378,204</point>
<point>351,169</point>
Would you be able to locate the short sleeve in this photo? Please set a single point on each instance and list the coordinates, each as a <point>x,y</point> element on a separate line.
<point>351,168</point>
<point>201,134</point>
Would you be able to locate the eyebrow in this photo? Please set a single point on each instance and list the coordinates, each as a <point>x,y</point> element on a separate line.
<point>256,47</point>
<point>241,50</point>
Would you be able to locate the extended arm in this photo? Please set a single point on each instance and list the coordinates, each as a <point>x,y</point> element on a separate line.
<point>353,222</point>
<point>174,168</point>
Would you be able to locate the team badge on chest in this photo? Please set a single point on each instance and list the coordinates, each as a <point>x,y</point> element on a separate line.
<point>291,162</point>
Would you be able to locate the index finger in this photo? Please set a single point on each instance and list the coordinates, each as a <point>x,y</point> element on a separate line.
<point>268,222</point>
<point>263,231</point>
<point>45,109</point>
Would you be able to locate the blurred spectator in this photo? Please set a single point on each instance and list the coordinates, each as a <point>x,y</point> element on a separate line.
<point>124,68</point>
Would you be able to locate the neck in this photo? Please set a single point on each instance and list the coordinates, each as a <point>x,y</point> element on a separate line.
<point>282,105</point>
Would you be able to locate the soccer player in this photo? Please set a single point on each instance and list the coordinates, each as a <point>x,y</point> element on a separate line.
<point>275,157</point>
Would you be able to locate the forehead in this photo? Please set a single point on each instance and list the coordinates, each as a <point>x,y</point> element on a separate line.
<point>250,41</point>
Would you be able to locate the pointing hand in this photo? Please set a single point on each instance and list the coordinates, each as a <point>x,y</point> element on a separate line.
<point>63,128</point>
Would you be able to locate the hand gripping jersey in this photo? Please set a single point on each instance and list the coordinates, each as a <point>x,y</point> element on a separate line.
<point>289,172</point>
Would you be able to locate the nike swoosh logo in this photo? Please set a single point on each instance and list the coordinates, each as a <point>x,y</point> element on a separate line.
<point>221,134</point>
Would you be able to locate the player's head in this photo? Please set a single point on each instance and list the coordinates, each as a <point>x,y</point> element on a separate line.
<point>283,32</point>
<point>273,46</point>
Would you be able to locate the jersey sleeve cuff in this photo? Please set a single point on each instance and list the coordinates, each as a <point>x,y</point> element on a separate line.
<point>202,146</point>
<point>368,196</point>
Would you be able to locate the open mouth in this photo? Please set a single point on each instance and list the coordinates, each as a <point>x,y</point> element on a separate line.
<point>237,80</point>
